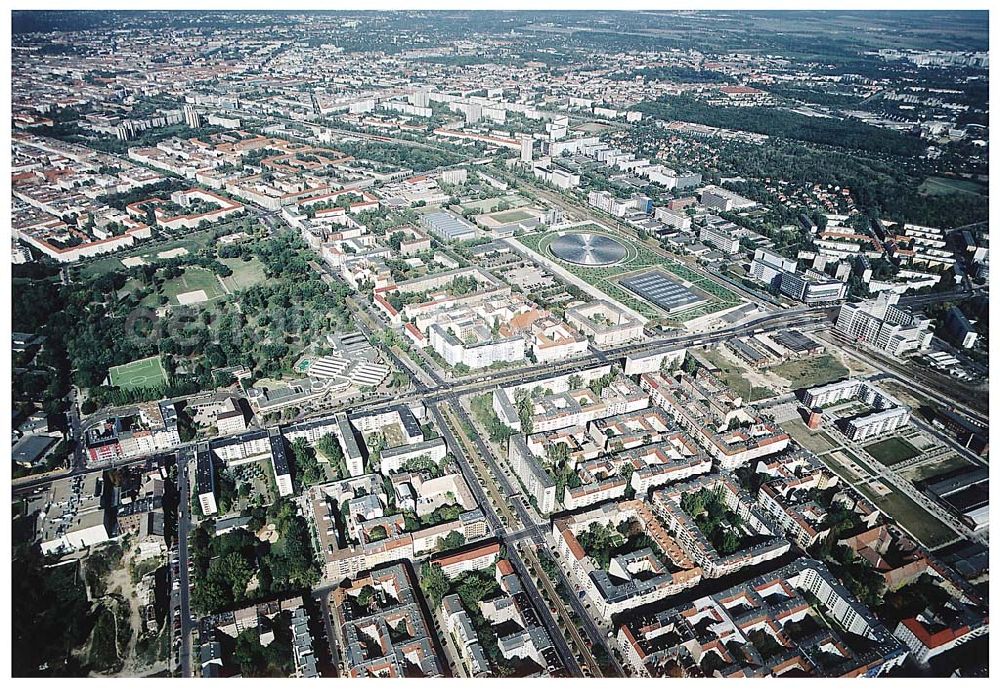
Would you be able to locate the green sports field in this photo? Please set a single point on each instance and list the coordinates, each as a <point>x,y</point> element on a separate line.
<point>142,373</point>
<point>195,285</point>
<point>514,216</point>
<point>245,273</point>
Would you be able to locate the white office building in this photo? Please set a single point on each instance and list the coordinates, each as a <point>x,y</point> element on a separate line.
<point>882,325</point>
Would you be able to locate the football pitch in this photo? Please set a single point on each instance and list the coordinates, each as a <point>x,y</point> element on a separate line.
<point>514,216</point>
<point>142,373</point>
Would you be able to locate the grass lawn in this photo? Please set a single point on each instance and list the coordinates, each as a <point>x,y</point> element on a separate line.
<point>142,373</point>
<point>831,461</point>
<point>815,441</point>
<point>949,463</point>
<point>487,205</point>
<point>815,371</point>
<point>862,463</point>
<point>921,524</point>
<point>947,185</point>
<point>892,451</point>
<point>591,127</point>
<point>194,278</point>
<point>245,273</point>
<point>131,286</point>
<point>393,434</point>
<point>511,216</point>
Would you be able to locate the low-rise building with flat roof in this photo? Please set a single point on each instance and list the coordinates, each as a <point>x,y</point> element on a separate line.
<point>449,227</point>
<point>205,479</point>
<point>279,464</point>
<point>606,324</point>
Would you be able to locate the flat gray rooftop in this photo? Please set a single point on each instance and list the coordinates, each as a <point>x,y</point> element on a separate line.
<point>662,291</point>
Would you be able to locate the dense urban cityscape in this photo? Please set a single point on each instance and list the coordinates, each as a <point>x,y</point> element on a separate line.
<point>462,344</point>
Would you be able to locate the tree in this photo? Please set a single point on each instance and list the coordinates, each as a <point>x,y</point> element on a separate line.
<point>50,614</point>
<point>626,473</point>
<point>248,654</point>
<point>366,596</point>
<point>209,596</point>
<point>557,454</point>
<point>730,542</point>
<point>434,583</point>
<point>476,587</point>
<point>690,364</point>
<point>375,443</point>
<point>103,647</point>
<point>233,570</point>
<point>598,385</point>
<point>329,446</point>
<point>307,470</point>
<point>525,410</point>
<point>453,540</point>
<point>395,240</point>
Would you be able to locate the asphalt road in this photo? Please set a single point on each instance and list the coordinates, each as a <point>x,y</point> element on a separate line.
<point>562,648</point>
<point>183,531</point>
<point>535,530</point>
<point>322,597</point>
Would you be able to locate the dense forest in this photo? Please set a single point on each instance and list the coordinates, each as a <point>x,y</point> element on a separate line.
<point>50,614</point>
<point>882,185</point>
<point>786,124</point>
<point>224,565</point>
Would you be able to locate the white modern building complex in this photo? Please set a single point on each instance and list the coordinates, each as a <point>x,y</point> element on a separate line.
<point>884,326</point>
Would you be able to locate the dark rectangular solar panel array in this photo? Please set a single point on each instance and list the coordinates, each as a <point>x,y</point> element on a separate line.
<point>661,290</point>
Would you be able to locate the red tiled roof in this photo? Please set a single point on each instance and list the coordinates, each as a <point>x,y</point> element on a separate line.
<point>470,555</point>
<point>933,640</point>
